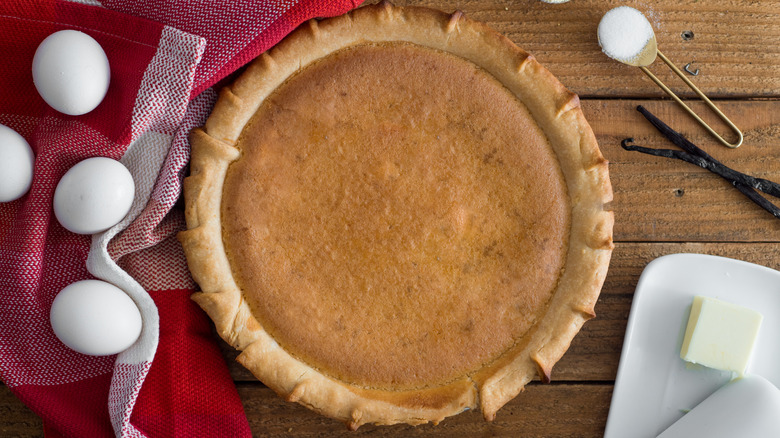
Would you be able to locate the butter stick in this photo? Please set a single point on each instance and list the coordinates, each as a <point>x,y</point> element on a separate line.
<point>720,335</point>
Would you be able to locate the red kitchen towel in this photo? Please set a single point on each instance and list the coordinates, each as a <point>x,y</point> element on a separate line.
<point>164,57</point>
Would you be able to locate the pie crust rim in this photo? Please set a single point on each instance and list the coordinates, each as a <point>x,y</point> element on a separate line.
<point>556,110</point>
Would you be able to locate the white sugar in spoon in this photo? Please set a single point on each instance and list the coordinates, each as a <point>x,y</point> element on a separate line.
<point>626,36</point>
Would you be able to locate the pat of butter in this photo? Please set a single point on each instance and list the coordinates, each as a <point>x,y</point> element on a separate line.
<point>720,335</point>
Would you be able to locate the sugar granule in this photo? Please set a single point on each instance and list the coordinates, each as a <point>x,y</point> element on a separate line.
<point>623,33</point>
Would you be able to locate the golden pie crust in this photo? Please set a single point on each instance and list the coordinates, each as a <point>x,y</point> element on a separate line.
<point>397,215</point>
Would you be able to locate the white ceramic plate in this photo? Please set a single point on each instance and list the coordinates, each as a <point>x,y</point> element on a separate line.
<point>654,387</point>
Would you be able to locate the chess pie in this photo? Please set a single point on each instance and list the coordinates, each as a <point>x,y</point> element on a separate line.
<point>397,215</point>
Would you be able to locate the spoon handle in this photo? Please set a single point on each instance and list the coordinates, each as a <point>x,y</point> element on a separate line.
<point>702,96</point>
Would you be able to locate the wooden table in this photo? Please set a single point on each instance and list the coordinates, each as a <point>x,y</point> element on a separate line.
<point>661,206</point>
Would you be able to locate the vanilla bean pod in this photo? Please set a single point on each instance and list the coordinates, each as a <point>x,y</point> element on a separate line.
<point>670,153</point>
<point>758,199</point>
<point>714,165</point>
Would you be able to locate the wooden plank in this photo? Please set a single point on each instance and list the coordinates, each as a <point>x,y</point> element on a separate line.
<point>660,199</point>
<point>556,410</point>
<point>735,45</point>
<point>16,419</point>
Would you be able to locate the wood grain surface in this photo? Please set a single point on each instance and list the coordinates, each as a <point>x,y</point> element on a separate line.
<point>661,206</point>
<point>735,44</point>
<point>579,410</point>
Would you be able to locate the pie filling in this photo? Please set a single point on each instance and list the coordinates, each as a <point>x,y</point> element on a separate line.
<point>396,218</point>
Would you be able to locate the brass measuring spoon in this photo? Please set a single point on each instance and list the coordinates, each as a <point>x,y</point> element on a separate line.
<point>647,55</point>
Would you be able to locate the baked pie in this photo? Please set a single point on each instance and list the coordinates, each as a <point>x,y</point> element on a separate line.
<point>397,215</point>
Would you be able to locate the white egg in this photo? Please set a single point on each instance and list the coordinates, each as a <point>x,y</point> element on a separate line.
<point>96,318</point>
<point>71,72</point>
<point>94,195</point>
<point>16,165</point>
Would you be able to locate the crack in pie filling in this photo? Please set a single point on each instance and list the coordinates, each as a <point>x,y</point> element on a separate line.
<point>397,215</point>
